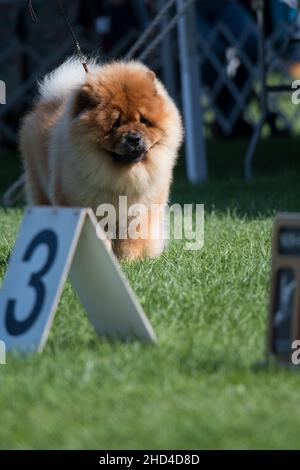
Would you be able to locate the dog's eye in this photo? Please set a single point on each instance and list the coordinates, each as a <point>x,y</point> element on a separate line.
<point>144,121</point>
<point>117,123</point>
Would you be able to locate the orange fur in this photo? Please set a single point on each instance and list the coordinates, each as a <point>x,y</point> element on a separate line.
<point>75,142</point>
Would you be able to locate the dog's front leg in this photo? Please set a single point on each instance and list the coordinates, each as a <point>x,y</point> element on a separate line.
<point>144,237</point>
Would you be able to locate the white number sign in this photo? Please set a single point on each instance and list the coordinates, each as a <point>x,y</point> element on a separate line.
<point>52,243</point>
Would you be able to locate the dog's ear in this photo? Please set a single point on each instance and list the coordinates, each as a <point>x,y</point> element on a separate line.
<point>85,99</point>
<point>151,75</point>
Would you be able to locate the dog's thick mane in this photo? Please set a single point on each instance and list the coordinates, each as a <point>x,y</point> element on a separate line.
<point>70,76</point>
<point>66,78</point>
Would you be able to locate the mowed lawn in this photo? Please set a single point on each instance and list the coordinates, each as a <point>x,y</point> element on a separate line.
<point>199,387</point>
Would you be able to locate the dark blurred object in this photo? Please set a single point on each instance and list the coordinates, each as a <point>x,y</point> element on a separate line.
<point>235,18</point>
<point>29,50</point>
<point>265,114</point>
<point>229,68</point>
<point>123,16</point>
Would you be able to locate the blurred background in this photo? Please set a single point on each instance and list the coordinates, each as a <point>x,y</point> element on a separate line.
<point>199,388</point>
<point>224,38</point>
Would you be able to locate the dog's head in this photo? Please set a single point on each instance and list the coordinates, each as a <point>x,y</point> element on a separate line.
<point>121,110</point>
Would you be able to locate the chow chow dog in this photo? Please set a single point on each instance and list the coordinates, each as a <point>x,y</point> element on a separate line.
<point>92,137</point>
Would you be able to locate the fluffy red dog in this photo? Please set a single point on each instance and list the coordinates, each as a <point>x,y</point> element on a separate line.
<point>91,138</point>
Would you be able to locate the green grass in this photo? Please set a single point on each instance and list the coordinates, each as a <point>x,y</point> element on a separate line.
<point>198,387</point>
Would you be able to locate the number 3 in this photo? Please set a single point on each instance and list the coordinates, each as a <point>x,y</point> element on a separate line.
<point>14,326</point>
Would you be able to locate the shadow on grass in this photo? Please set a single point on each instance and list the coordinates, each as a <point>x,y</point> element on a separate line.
<point>276,186</point>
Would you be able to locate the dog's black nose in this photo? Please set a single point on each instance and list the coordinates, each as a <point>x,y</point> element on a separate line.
<point>133,139</point>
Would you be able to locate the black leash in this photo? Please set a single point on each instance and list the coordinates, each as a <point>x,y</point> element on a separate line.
<point>32,12</point>
<point>80,54</point>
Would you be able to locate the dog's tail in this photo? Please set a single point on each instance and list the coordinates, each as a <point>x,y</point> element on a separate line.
<point>66,78</point>
<point>15,194</point>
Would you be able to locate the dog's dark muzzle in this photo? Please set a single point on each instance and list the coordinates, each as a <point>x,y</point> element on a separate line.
<point>133,149</point>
